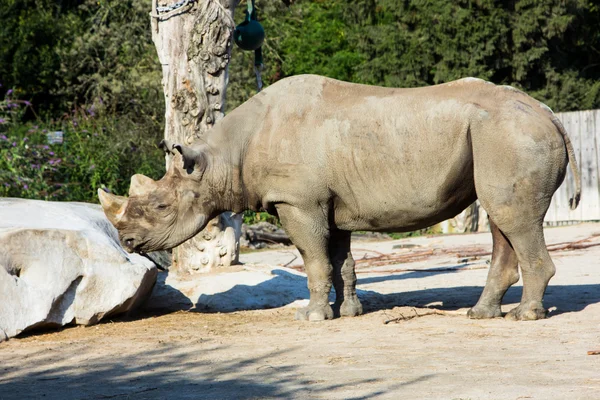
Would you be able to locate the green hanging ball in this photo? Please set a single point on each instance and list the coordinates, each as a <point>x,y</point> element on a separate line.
<point>249,35</point>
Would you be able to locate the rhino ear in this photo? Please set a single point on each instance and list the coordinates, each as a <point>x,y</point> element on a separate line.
<point>141,184</point>
<point>114,206</point>
<point>166,146</point>
<point>193,160</point>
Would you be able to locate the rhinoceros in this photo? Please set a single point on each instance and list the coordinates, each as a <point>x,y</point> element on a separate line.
<point>329,157</point>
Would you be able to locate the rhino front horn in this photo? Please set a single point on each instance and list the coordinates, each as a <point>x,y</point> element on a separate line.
<point>141,184</point>
<point>113,206</point>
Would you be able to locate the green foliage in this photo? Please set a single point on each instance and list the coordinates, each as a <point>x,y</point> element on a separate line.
<point>97,151</point>
<point>545,47</point>
<point>30,33</point>
<point>251,217</point>
<point>420,232</point>
<point>90,69</point>
<point>316,42</point>
<point>60,55</point>
<point>110,61</point>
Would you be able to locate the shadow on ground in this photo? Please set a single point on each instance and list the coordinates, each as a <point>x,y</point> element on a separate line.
<point>170,371</point>
<point>559,298</point>
<point>285,288</point>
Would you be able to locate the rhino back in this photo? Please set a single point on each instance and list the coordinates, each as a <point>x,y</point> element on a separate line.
<point>382,158</point>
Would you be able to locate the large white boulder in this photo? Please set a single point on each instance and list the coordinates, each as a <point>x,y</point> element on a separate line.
<point>61,263</point>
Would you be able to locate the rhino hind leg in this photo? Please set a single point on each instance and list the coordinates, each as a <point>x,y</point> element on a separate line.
<point>517,168</point>
<point>309,231</point>
<point>537,268</point>
<point>344,275</point>
<point>503,273</point>
<point>526,235</point>
<point>520,219</point>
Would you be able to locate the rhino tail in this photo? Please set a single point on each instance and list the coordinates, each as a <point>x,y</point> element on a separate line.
<point>574,201</point>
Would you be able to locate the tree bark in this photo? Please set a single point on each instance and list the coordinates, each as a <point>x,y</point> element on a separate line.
<point>194,43</point>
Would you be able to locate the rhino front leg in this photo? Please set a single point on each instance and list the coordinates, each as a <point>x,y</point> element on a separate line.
<point>344,275</point>
<point>309,231</point>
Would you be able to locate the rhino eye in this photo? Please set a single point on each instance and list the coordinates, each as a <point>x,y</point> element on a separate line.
<point>162,207</point>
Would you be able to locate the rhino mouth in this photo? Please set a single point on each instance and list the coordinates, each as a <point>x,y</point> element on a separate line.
<point>140,248</point>
<point>134,247</point>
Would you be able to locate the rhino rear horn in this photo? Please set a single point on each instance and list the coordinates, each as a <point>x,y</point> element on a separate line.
<point>141,184</point>
<point>193,160</point>
<point>113,206</point>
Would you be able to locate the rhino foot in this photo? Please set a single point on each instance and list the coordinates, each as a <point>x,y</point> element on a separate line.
<point>484,312</point>
<point>351,307</point>
<point>529,312</point>
<point>314,313</point>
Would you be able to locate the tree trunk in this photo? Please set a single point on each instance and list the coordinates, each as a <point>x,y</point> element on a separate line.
<point>193,39</point>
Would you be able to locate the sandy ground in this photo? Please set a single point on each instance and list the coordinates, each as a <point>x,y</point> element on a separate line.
<point>414,341</point>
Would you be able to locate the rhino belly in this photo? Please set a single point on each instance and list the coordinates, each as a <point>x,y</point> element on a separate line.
<point>404,203</point>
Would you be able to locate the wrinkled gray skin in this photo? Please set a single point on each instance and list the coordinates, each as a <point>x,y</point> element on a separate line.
<point>330,157</point>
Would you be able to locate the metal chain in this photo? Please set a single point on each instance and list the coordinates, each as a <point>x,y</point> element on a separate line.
<point>173,7</point>
<point>258,71</point>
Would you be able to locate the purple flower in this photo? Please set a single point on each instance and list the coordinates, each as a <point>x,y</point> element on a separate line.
<point>51,153</point>
<point>25,187</point>
<point>9,92</point>
<point>27,103</point>
<point>35,166</point>
<point>7,184</point>
<point>14,144</point>
<point>3,137</point>
<point>26,139</point>
<point>2,121</point>
<point>46,147</point>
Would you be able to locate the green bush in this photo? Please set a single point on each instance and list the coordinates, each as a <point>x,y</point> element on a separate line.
<point>97,151</point>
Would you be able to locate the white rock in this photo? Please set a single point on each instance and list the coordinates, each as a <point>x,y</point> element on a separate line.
<point>61,263</point>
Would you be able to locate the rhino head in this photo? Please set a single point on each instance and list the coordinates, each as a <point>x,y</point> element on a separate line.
<point>160,215</point>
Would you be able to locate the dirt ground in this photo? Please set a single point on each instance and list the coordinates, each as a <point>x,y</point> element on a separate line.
<point>414,341</point>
